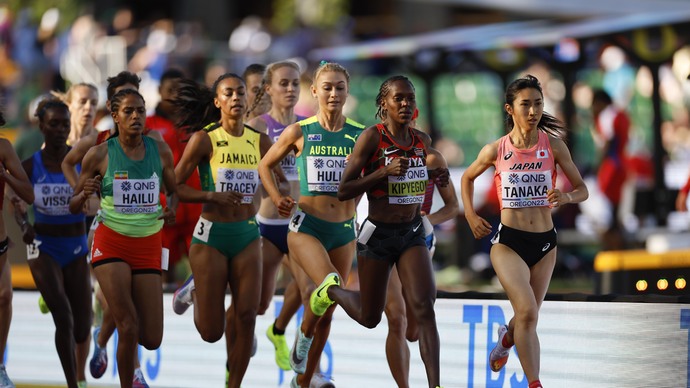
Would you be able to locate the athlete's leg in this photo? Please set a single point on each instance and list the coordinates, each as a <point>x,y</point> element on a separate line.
<point>115,279</point>
<point>48,277</point>
<point>5,300</point>
<point>341,259</point>
<point>526,289</point>
<point>271,258</point>
<point>397,351</point>
<point>417,279</point>
<point>244,279</point>
<point>210,269</point>
<point>365,306</point>
<point>77,283</point>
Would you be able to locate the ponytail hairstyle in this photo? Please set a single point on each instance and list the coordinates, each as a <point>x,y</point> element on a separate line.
<point>66,97</point>
<point>116,100</point>
<point>547,123</point>
<point>325,66</point>
<point>49,103</point>
<point>385,88</point>
<point>194,103</point>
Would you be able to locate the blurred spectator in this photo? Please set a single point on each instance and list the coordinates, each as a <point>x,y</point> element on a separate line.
<point>178,237</point>
<point>30,138</point>
<point>610,133</point>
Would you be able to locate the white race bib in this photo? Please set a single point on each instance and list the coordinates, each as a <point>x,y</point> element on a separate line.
<point>53,198</point>
<point>324,173</point>
<point>242,181</point>
<point>525,188</point>
<point>136,196</point>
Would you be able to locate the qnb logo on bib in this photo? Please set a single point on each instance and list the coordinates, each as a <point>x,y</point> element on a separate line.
<point>411,187</point>
<point>136,196</point>
<point>52,198</point>
<point>525,189</point>
<point>324,173</point>
<point>243,181</point>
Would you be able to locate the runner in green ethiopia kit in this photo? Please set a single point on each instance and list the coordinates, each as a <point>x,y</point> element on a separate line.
<point>322,235</point>
<point>130,170</point>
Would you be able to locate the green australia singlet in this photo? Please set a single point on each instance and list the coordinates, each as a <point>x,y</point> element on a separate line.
<point>130,190</point>
<point>322,161</point>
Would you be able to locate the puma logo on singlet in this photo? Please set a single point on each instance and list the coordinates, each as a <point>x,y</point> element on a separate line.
<point>251,143</point>
<point>353,138</point>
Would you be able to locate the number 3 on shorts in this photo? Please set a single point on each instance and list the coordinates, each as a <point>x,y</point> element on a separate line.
<point>297,220</point>
<point>32,250</point>
<point>202,230</point>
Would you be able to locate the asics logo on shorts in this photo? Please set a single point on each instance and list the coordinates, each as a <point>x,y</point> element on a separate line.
<point>546,247</point>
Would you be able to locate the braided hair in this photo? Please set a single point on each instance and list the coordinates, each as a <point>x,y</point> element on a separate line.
<point>547,123</point>
<point>194,103</point>
<point>385,88</point>
<point>268,79</point>
<point>116,100</point>
<point>254,68</point>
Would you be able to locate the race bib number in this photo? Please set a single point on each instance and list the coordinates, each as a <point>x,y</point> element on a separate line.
<point>289,166</point>
<point>136,196</point>
<point>296,221</point>
<point>409,188</point>
<point>324,173</point>
<point>242,181</point>
<point>365,232</point>
<point>202,230</point>
<point>52,198</point>
<point>165,258</point>
<point>32,250</point>
<point>525,188</point>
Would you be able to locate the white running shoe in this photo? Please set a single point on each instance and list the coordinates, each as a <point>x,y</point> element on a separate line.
<point>299,352</point>
<point>138,381</point>
<point>499,355</point>
<point>5,381</point>
<point>182,298</point>
<point>320,380</point>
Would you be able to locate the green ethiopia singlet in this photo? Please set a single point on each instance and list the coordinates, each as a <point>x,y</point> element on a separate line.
<point>234,164</point>
<point>322,161</point>
<point>130,191</point>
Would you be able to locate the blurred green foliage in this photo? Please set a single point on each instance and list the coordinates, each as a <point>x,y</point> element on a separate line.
<point>69,9</point>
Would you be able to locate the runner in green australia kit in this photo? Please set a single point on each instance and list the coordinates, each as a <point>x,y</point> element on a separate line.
<point>322,235</point>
